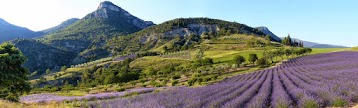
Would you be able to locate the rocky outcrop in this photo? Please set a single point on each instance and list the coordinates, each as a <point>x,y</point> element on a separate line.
<point>107,9</point>
<point>268,32</point>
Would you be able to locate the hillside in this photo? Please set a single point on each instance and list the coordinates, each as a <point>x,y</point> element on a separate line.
<point>268,32</point>
<point>178,34</point>
<point>41,56</point>
<point>9,31</point>
<point>61,26</point>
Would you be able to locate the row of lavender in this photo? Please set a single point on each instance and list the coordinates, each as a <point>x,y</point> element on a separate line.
<point>312,81</point>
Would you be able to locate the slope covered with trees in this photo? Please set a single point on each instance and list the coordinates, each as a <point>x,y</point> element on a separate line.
<point>61,26</point>
<point>42,56</point>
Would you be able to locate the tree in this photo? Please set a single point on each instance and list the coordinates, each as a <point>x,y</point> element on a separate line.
<point>13,77</point>
<point>288,52</point>
<point>239,60</point>
<point>205,35</point>
<point>268,38</point>
<point>199,54</point>
<point>207,61</point>
<point>165,48</point>
<point>63,68</point>
<point>287,40</point>
<point>262,62</point>
<point>48,71</point>
<point>252,58</point>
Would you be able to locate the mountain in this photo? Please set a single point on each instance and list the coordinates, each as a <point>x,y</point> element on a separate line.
<point>9,31</point>
<point>77,41</point>
<point>107,21</point>
<point>179,33</point>
<point>60,26</point>
<point>268,32</point>
<point>318,45</point>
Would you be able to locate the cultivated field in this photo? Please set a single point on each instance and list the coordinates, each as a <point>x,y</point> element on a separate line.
<point>321,80</point>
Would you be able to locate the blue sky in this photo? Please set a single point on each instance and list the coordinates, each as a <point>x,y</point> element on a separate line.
<point>324,21</point>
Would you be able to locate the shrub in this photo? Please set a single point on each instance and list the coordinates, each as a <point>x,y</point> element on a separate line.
<point>191,82</point>
<point>252,58</point>
<point>239,60</point>
<point>176,77</point>
<point>144,85</point>
<point>339,102</point>
<point>175,82</point>
<point>262,62</point>
<point>120,89</point>
<point>310,104</point>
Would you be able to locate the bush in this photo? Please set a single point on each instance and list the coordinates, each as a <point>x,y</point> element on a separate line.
<point>339,102</point>
<point>191,82</point>
<point>262,62</point>
<point>239,60</point>
<point>144,85</point>
<point>120,89</point>
<point>175,82</point>
<point>176,77</point>
<point>252,58</point>
<point>310,104</point>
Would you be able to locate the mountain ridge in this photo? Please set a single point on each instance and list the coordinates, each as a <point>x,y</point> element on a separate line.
<point>61,26</point>
<point>9,31</point>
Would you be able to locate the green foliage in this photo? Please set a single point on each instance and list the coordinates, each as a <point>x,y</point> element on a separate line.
<point>203,62</point>
<point>239,59</point>
<point>48,71</point>
<point>177,76</point>
<point>42,56</point>
<point>175,82</point>
<point>120,89</point>
<point>117,72</point>
<point>262,62</point>
<point>63,68</point>
<point>339,102</point>
<point>13,77</point>
<point>252,58</point>
<point>287,41</point>
<point>199,54</point>
<point>310,104</point>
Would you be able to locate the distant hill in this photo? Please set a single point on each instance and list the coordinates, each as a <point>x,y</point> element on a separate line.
<point>268,32</point>
<point>9,31</point>
<point>179,34</point>
<point>318,45</point>
<point>60,26</point>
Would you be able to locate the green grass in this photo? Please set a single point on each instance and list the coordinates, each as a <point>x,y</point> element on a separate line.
<point>326,50</point>
<point>71,93</point>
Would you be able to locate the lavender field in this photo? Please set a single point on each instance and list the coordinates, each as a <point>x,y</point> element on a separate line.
<point>314,81</point>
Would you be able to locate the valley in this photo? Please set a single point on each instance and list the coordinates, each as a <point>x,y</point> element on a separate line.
<point>113,59</point>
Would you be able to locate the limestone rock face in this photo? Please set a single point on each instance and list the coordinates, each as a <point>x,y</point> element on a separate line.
<point>107,9</point>
<point>109,5</point>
